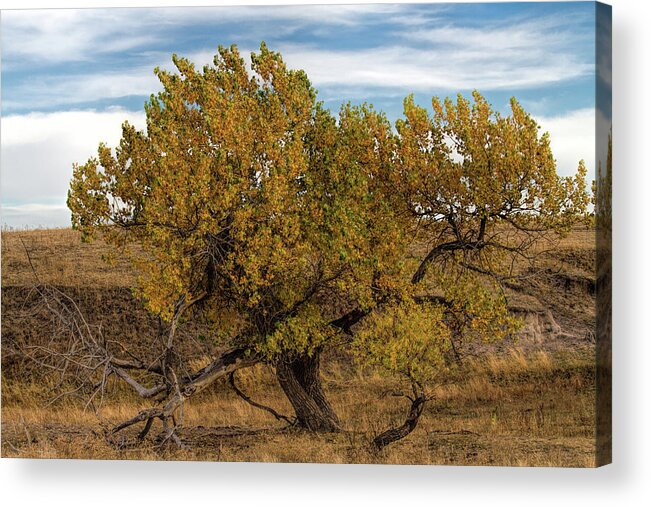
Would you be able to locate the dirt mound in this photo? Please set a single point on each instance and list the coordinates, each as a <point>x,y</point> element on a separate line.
<point>539,326</point>
<point>112,312</point>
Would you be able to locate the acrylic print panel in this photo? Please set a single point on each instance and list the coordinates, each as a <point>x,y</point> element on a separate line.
<point>340,233</point>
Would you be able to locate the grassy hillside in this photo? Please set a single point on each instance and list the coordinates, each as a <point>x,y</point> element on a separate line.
<point>526,402</point>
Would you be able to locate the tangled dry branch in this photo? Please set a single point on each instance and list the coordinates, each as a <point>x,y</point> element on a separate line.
<point>83,358</point>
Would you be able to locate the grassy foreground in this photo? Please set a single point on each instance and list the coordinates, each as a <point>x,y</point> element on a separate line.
<point>509,410</point>
<point>526,404</point>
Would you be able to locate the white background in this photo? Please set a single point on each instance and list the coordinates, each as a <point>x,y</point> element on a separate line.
<point>626,482</point>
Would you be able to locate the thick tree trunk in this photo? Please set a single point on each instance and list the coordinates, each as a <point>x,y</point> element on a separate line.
<point>393,434</point>
<point>299,378</point>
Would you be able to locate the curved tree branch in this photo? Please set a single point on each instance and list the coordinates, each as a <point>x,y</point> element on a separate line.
<point>241,394</point>
<point>413,415</point>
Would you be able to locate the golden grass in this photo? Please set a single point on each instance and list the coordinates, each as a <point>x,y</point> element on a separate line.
<point>525,407</point>
<point>514,410</point>
<point>60,258</point>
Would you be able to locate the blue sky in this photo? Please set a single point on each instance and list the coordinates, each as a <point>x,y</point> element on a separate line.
<point>70,77</point>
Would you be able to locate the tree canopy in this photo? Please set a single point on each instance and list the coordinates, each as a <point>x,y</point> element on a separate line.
<point>293,229</point>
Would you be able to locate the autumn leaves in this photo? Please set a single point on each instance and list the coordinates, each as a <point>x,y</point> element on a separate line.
<point>254,205</point>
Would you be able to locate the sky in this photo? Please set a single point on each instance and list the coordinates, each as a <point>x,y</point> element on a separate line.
<point>71,77</point>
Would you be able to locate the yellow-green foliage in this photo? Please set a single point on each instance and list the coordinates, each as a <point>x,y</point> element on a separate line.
<point>246,195</point>
<point>477,312</point>
<point>304,332</point>
<point>406,339</point>
<point>469,174</point>
<point>414,339</point>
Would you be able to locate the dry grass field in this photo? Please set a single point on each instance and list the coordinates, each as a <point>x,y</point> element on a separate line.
<point>530,402</point>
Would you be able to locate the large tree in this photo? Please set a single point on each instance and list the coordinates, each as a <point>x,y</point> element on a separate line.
<point>246,203</point>
<point>249,204</point>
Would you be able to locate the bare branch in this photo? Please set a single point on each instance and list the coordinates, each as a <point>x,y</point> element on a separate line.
<point>238,391</point>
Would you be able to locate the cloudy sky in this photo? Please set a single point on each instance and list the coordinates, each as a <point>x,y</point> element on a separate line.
<point>71,77</point>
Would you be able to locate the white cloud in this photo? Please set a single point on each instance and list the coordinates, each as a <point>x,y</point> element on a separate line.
<point>68,90</point>
<point>390,69</point>
<point>38,151</point>
<point>518,54</point>
<point>66,35</point>
<point>572,139</point>
<point>513,32</point>
<point>27,216</point>
<point>70,35</point>
<point>428,56</point>
<point>422,68</point>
